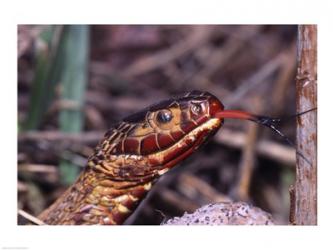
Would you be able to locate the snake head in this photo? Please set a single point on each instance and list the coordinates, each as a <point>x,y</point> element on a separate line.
<point>165,133</point>
<point>144,146</point>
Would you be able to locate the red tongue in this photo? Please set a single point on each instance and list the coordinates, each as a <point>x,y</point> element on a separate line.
<point>236,114</point>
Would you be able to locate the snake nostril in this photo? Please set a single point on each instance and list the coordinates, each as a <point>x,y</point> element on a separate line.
<point>196,108</point>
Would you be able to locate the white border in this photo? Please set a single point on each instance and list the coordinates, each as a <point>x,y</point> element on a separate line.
<point>161,12</point>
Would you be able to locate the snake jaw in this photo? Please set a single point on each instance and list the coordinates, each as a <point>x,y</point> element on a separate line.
<point>185,147</point>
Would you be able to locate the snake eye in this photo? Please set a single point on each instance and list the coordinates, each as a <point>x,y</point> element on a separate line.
<point>196,108</point>
<point>164,116</point>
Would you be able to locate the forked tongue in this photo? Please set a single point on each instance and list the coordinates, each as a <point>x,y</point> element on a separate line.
<point>262,120</point>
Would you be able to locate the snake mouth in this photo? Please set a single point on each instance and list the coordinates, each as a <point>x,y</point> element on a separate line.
<point>171,156</point>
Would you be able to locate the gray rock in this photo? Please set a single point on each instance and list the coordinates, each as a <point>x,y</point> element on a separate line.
<point>226,213</point>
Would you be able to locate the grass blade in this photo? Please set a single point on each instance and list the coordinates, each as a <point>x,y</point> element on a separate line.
<point>73,86</point>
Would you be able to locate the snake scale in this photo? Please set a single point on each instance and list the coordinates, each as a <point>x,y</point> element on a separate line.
<point>132,156</point>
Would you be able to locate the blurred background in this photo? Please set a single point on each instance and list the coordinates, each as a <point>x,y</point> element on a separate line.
<point>75,82</point>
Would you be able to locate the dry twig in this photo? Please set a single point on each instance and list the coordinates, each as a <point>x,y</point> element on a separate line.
<point>255,80</point>
<point>269,149</point>
<point>199,35</point>
<point>30,217</point>
<point>192,187</point>
<point>247,163</point>
<point>39,168</point>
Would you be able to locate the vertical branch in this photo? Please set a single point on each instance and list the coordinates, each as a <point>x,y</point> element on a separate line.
<point>248,161</point>
<point>305,200</point>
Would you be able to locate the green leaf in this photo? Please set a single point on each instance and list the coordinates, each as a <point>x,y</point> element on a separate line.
<point>75,56</point>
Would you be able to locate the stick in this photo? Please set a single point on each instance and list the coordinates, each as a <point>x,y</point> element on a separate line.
<point>199,36</point>
<point>305,207</point>
<point>248,160</point>
<point>30,217</point>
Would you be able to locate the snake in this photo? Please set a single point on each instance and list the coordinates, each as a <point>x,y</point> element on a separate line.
<point>136,152</point>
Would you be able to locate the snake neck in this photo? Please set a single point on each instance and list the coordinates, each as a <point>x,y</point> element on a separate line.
<point>95,199</point>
